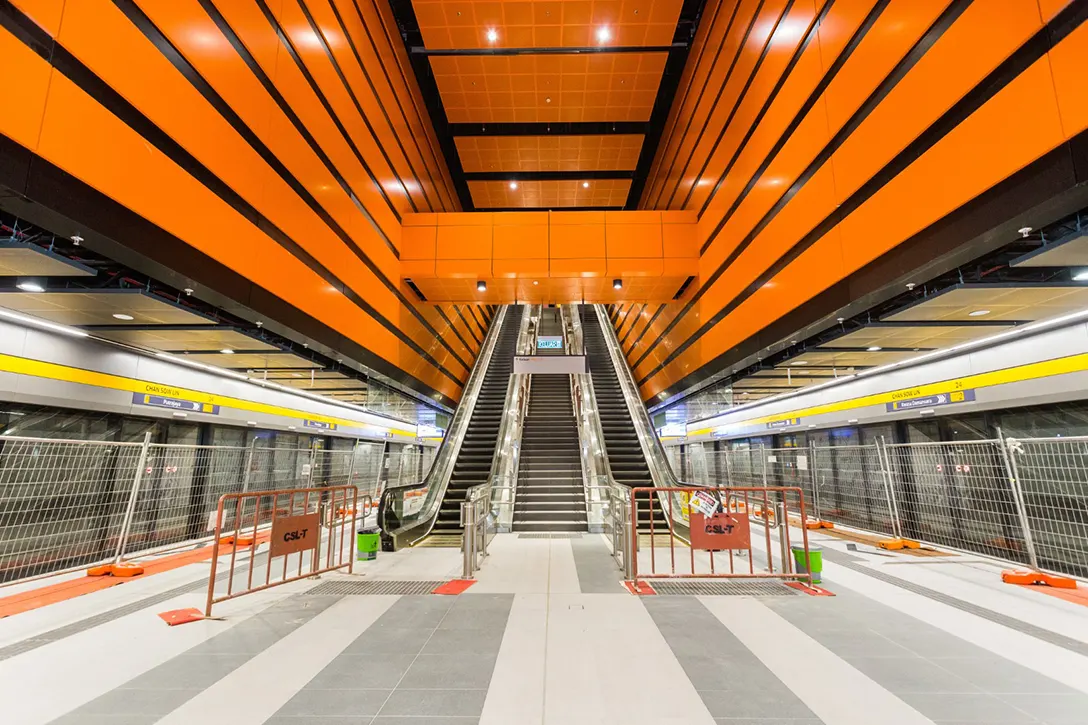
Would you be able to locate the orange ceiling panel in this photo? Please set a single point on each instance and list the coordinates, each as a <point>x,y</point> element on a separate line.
<point>549,194</point>
<point>542,88</point>
<point>549,153</point>
<point>542,24</point>
<point>558,290</point>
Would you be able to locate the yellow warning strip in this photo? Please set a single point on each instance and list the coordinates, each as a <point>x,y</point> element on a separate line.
<point>1031,371</point>
<point>65,373</point>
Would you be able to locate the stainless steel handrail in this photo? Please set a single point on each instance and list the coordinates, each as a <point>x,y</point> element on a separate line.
<point>438,478</point>
<point>596,471</point>
<point>661,472</point>
<point>501,486</point>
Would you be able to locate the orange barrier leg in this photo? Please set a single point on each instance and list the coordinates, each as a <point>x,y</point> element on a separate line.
<point>1037,578</point>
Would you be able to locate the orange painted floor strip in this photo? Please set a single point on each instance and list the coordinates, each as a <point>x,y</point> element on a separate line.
<point>454,587</point>
<point>1076,596</point>
<point>63,591</point>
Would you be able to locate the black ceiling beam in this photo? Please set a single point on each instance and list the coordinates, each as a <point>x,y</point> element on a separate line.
<point>585,50</point>
<point>547,175</point>
<point>686,28</point>
<point>558,128</point>
<point>405,17</point>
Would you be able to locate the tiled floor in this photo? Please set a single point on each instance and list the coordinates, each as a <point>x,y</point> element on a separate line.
<point>548,636</point>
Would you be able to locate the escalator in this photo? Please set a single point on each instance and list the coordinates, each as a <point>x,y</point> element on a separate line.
<point>473,464</point>
<point>550,493</point>
<point>622,448</point>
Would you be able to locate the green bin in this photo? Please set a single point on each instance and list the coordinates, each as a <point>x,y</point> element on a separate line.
<point>367,542</point>
<point>815,562</point>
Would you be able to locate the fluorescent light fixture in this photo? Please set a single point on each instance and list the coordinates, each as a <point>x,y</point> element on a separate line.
<point>797,362</point>
<point>1081,276</point>
<point>122,316</point>
<point>513,185</point>
<point>492,35</point>
<point>617,284</point>
<point>251,422</point>
<point>28,285</point>
<point>43,324</point>
<point>481,286</point>
<point>227,351</point>
<point>852,420</point>
<point>874,348</point>
<point>978,313</point>
<point>927,411</point>
<point>179,414</point>
<point>604,34</point>
<point>200,365</point>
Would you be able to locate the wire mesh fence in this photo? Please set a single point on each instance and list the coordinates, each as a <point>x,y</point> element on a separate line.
<point>1020,500</point>
<point>66,504</point>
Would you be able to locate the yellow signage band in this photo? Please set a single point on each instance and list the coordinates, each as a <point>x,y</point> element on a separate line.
<point>1031,371</point>
<point>65,373</point>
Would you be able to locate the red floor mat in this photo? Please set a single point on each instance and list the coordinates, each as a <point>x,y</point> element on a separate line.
<point>454,587</point>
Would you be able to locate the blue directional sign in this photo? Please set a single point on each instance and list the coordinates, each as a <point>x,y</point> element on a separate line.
<point>160,401</point>
<point>931,401</point>
<point>787,423</point>
<point>549,343</point>
<point>319,424</point>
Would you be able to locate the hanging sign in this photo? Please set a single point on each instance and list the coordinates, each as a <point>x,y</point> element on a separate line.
<point>931,401</point>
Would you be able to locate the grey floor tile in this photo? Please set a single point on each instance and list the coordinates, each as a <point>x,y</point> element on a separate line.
<point>188,672</point>
<point>476,619</point>
<point>311,720</point>
<point>424,611</point>
<point>752,704</point>
<point>464,641</point>
<point>998,675</point>
<point>414,703</point>
<point>362,672</point>
<point>1053,709</point>
<point>137,702</point>
<point>980,708</point>
<point>425,721</point>
<point>449,672</point>
<point>597,570</point>
<point>334,703</point>
<point>381,640</point>
<point>769,721</point>
<point>86,719</point>
<point>911,674</point>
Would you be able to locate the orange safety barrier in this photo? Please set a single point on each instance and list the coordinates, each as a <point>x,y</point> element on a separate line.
<point>719,520</point>
<point>310,531</point>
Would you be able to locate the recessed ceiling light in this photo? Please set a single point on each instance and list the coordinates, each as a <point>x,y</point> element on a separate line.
<point>492,35</point>
<point>513,184</point>
<point>227,351</point>
<point>585,184</point>
<point>122,316</point>
<point>481,286</point>
<point>548,99</point>
<point>297,375</point>
<point>799,362</point>
<point>535,283</point>
<point>28,286</point>
<point>978,313</point>
<point>875,348</point>
<point>617,284</point>
<point>604,34</point>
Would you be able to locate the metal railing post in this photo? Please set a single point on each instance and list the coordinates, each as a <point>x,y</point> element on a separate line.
<point>763,461</point>
<point>248,472</point>
<point>468,539</point>
<point>126,524</point>
<point>1013,475</point>
<point>782,517</point>
<point>351,463</point>
<point>889,489</point>
<point>814,479</point>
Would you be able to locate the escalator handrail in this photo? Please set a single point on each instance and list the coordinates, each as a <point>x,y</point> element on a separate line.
<point>446,457</point>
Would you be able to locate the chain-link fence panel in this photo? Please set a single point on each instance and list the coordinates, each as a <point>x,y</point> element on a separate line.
<point>62,503</point>
<point>958,495</point>
<point>1053,479</point>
